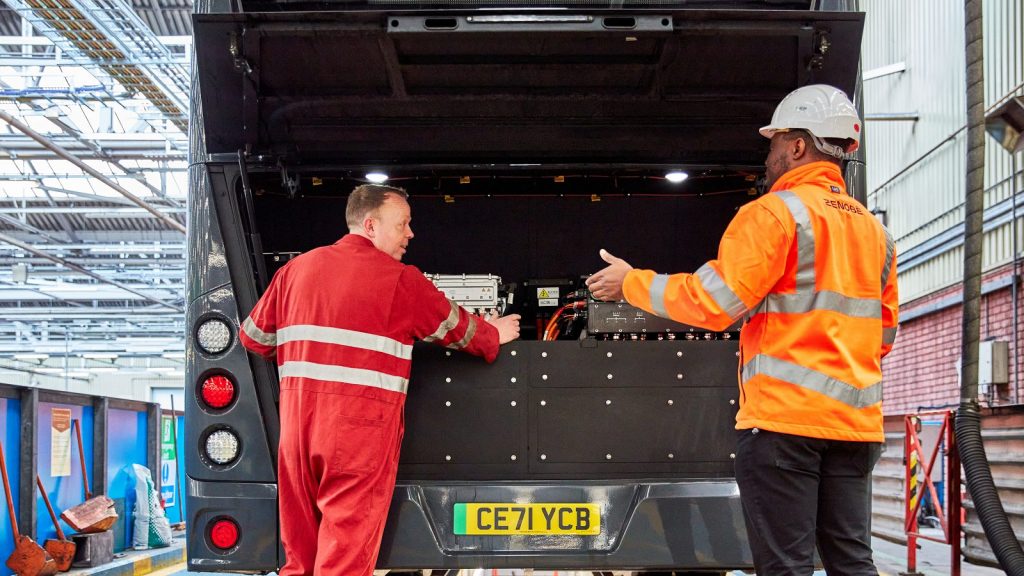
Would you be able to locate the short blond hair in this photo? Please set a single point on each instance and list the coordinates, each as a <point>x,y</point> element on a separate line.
<point>366,199</point>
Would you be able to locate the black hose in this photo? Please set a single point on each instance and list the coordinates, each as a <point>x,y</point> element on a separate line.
<point>968,420</point>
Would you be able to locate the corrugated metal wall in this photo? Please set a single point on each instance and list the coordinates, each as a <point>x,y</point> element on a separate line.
<point>1003,437</point>
<point>916,169</point>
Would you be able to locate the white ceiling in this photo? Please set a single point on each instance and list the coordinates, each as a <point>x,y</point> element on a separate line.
<point>89,279</point>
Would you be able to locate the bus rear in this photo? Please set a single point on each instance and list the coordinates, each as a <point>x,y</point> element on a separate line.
<point>529,136</point>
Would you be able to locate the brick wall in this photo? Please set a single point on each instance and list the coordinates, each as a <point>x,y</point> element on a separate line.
<point>921,370</point>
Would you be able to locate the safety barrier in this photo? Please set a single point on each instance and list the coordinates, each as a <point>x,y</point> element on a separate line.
<point>920,487</point>
<point>34,431</point>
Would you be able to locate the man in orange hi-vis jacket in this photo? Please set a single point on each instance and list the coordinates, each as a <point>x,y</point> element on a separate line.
<point>815,275</point>
<point>341,320</point>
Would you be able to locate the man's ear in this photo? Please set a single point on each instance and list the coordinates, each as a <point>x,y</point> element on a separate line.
<point>799,148</point>
<point>368,226</point>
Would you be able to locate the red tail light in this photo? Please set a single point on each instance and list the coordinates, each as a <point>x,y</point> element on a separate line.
<point>218,391</point>
<point>224,533</point>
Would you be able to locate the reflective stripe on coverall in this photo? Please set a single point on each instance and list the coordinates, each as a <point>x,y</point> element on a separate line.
<point>342,320</point>
<point>816,272</point>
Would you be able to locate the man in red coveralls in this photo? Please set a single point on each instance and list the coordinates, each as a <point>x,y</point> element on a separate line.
<point>341,320</point>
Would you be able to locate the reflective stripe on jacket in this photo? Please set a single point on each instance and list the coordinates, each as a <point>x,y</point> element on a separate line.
<point>815,273</point>
<point>348,314</point>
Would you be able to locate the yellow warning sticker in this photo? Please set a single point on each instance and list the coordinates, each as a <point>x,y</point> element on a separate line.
<point>547,296</point>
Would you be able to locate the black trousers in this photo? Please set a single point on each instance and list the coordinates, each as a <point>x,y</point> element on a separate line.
<point>798,491</point>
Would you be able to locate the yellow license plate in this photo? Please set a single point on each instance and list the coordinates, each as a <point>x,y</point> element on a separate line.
<point>503,519</point>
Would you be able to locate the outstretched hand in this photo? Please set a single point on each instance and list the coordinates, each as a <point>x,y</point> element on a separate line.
<point>508,327</point>
<point>607,284</point>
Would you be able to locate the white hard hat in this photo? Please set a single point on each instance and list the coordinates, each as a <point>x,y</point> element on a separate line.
<point>822,110</point>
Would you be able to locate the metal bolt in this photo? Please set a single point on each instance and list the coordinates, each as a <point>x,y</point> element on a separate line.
<point>609,354</point>
<point>543,403</point>
<point>543,354</point>
<point>670,402</point>
<point>447,352</point>
<point>607,456</point>
<point>513,352</point>
<point>512,379</point>
<point>448,380</point>
<point>733,456</point>
<point>732,402</point>
<point>679,376</point>
<point>543,456</point>
<point>607,402</point>
<point>543,376</point>
<point>447,402</point>
<point>447,458</point>
<point>679,354</point>
<point>609,376</point>
<point>513,403</point>
<point>671,455</point>
<point>513,457</point>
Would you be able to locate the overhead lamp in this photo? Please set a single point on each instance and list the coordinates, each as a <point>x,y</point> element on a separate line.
<point>174,355</point>
<point>98,369</point>
<point>676,176</point>
<point>1006,124</point>
<point>32,356</point>
<point>377,177</point>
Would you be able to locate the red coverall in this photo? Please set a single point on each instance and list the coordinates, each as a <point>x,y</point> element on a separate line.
<point>342,320</point>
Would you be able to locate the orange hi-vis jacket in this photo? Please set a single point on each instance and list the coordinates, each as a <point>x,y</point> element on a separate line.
<point>816,274</point>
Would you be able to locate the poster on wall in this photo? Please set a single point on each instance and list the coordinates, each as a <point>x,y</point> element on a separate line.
<point>168,466</point>
<point>60,442</point>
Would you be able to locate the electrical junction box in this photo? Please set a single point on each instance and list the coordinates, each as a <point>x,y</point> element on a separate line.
<point>993,363</point>
<point>476,292</point>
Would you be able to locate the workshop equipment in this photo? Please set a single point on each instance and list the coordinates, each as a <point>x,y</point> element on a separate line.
<point>28,558</point>
<point>62,549</point>
<point>97,513</point>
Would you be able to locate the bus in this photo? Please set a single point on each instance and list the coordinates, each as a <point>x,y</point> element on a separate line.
<point>529,134</point>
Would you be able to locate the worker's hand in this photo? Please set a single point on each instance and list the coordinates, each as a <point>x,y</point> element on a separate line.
<point>607,284</point>
<point>508,327</point>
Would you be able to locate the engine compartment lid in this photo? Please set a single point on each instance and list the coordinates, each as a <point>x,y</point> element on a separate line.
<point>477,86</point>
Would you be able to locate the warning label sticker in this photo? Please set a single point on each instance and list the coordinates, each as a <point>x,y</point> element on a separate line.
<point>547,296</point>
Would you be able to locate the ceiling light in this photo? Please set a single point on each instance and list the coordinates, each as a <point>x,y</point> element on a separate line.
<point>676,176</point>
<point>32,356</point>
<point>98,369</point>
<point>99,355</point>
<point>377,177</point>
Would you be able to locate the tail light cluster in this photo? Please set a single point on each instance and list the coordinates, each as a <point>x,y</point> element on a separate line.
<point>217,392</point>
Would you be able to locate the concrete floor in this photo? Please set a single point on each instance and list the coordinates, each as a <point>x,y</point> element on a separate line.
<point>890,558</point>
